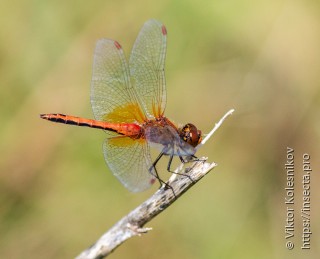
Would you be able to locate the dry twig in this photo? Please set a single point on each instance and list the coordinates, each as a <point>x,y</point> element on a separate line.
<point>132,224</point>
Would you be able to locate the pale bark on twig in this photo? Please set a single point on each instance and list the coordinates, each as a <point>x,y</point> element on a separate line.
<point>132,224</point>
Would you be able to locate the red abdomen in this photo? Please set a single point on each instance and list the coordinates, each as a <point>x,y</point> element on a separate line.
<point>127,129</point>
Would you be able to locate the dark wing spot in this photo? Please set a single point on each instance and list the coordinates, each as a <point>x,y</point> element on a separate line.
<point>117,44</point>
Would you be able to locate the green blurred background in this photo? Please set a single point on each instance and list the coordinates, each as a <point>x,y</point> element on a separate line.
<point>260,57</point>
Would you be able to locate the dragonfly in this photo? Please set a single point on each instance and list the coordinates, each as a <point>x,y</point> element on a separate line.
<point>128,100</point>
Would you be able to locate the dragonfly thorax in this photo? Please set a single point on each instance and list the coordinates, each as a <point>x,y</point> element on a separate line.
<point>164,135</point>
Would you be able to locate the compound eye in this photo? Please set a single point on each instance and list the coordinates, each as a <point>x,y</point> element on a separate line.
<point>190,134</point>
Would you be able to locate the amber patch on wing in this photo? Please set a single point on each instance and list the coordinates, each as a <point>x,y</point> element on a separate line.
<point>156,109</point>
<point>125,114</point>
<point>123,141</point>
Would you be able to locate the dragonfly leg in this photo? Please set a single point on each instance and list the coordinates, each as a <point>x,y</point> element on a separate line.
<point>153,169</point>
<point>154,172</point>
<point>169,163</point>
<point>190,158</point>
<point>182,161</point>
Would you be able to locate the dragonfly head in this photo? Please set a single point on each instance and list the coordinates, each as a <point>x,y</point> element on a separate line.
<point>190,134</point>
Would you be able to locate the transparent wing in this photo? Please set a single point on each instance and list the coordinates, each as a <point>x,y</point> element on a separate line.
<point>146,65</point>
<point>112,96</point>
<point>129,160</point>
